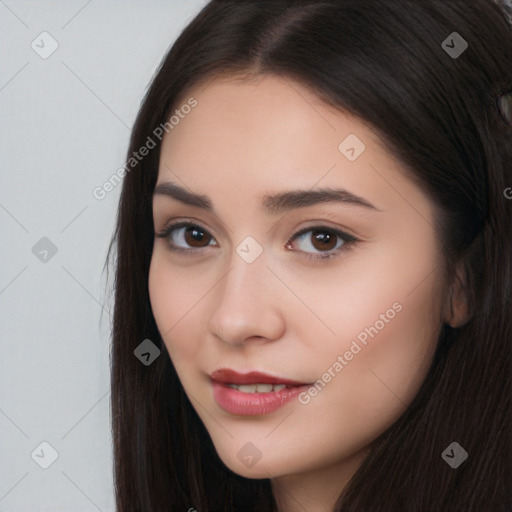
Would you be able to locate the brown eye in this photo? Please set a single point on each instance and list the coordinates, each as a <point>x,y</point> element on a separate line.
<point>318,242</point>
<point>319,239</point>
<point>185,236</point>
<point>196,237</point>
<point>323,240</point>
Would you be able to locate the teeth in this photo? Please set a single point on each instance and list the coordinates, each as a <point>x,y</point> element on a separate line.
<point>257,388</point>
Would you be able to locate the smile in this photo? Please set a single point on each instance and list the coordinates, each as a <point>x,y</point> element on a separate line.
<point>253,393</point>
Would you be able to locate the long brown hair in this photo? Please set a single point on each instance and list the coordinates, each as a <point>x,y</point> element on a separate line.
<point>384,62</point>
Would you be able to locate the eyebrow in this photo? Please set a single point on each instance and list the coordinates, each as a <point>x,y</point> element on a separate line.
<point>273,204</point>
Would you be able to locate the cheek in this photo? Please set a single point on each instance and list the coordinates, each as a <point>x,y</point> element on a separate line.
<point>386,320</point>
<point>360,298</point>
<point>177,298</point>
<point>391,360</point>
<point>402,357</point>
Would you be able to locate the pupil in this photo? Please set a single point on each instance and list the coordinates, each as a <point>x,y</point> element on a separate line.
<point>324,238</point>
<point>195,233</point>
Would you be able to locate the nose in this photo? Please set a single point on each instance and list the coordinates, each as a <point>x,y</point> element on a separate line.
<point>247,304</point>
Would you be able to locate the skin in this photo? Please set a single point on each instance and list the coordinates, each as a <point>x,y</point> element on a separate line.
<point>284,314</point>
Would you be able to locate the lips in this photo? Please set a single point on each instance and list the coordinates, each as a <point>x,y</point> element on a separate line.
<point>253,393</point>
<point>227,376</point>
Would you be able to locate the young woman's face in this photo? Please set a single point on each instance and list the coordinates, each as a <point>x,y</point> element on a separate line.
<point>243,282</point>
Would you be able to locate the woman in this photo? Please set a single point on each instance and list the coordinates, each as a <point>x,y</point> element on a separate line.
<point>314,263</point>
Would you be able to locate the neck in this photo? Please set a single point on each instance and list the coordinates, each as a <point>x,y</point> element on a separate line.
<point>315,491</point>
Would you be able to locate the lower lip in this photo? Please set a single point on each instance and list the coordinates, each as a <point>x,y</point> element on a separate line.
<point>252,404</point>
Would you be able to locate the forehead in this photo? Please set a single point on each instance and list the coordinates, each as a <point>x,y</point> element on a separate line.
<point>263,105</point>
<point>246,138</point>
<point>268,122</point>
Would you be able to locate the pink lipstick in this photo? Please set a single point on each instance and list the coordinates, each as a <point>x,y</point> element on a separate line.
<point>253,393</point>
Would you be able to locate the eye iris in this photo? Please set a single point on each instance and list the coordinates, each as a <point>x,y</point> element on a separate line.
<point>325,239</point>
<point>194,235</point>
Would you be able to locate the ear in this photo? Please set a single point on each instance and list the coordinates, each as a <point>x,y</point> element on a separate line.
<point>457,309</point>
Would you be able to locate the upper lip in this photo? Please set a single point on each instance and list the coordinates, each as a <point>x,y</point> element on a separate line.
<point>228,376</point>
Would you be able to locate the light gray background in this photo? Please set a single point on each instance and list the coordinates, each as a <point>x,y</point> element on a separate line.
<point>65,122</point>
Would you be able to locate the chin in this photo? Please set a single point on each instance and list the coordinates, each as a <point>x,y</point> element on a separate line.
<point>258,470</point>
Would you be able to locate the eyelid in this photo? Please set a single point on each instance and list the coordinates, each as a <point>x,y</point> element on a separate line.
<point>317,227</point>
<point>348,242</point>
<point>170,227</point>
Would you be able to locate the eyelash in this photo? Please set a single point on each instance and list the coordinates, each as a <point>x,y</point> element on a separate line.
<point>348,240</point>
